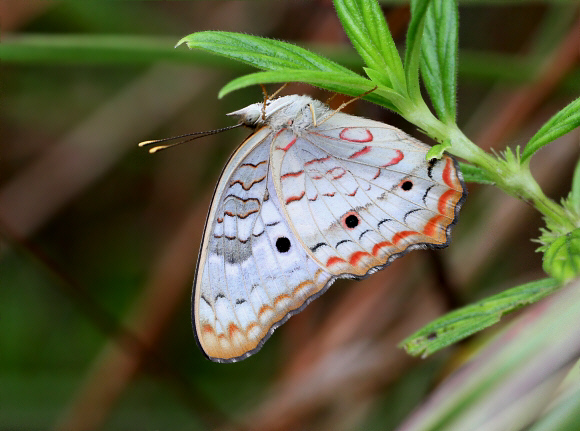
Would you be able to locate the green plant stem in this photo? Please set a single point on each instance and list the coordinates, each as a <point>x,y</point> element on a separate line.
<point>508,174</point>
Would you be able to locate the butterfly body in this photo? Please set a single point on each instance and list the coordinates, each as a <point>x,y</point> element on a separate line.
<point>311,196</point>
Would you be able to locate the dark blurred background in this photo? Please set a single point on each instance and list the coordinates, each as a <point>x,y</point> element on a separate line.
<point>100,239</point>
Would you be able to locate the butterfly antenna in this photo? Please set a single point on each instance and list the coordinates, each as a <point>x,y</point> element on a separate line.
<point>190,136</point>
<point>278,91</point>
<point>345,104</point>
<point>330,98</point>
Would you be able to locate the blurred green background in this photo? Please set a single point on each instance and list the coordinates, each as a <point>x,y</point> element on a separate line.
<point>100,239</point>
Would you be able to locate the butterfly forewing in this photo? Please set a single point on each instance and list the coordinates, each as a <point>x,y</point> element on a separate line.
<point>361,195</point>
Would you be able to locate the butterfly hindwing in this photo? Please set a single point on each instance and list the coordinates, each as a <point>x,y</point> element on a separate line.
<point>252,272</point>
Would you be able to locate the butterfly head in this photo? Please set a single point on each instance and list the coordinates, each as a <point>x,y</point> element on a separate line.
<point>259,114</point>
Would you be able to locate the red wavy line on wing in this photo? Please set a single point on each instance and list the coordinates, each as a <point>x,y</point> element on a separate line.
<point>291,174</point>
<point>356,257</point>
<point>264,308</point>
<point>323,159</point>
<point>295,198</point>
<point>395,159</point>
<point>232,328</point>
<point>287,147</point>
<point>302,286</point>
<point>432,224</point>
<point>251,165</point>
<point>339,176</point>
<point>281,297</point>
<point>368,138</point>
<point>402,235</point>
<point>360,152</point>
<point>381,245</point>
<point>442,204</point>
<point>334,260</point>
<point>447,173</point>
<point>248,187</point>
<point>242,216</point>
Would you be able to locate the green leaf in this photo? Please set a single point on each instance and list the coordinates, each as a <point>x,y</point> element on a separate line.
<point>365,25</point>
<point>465,321</point>
<point>473,174</point>
<point>260,52</point>
<point>513,376</point>
<point>560,124</point>
<point>338,82</point>
<point>439,57</point>
<point>436,151</point>
<point>562,256</point>
<point>95,48</point>
<point>377,77</point>
<point>413,51</point>
<point>573,199</point>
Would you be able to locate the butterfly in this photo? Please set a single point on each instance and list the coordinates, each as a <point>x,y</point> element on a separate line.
<point>311,196</point>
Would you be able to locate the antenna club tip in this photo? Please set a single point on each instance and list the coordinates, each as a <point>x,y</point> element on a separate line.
<point>142,144</point>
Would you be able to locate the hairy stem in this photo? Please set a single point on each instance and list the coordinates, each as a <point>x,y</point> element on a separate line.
<point>509,175</point>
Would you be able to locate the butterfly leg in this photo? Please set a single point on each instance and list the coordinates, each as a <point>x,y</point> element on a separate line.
<point>266,98</point>
<point>313,114</point>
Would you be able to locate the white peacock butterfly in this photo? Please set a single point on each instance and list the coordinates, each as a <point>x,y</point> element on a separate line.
<point>311,196</point>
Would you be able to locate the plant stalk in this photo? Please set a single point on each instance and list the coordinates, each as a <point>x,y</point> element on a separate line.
<point>508,174</point>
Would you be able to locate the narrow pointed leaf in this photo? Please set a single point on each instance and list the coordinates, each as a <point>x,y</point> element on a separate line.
<point>365,25</point>
<point>263,53</point>
<point>377,77</point>
<point>563,122</point>
<point>466,321</point>
<point>338,82</point>
<point>574,196</point>
<point>436,151</point>
<point>439,57</point>
<point>473,174</point>
<point>413,51</point>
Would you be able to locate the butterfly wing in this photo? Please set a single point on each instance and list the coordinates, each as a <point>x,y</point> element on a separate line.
<point>252,273</point>
<point>358,197</point>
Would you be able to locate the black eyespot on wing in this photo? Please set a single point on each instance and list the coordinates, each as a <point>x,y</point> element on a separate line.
<point>282,244</point>
<point>407,185</point>
<point>351,221</point>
